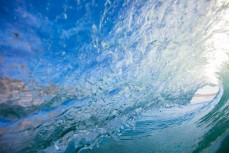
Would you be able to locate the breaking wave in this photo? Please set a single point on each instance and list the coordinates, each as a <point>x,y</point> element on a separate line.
<point>74,72</point>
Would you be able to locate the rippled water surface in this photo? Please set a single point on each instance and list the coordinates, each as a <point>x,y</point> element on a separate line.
<point>114,76</point>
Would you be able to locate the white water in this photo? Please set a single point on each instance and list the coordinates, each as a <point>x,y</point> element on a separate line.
<point>155,54</point>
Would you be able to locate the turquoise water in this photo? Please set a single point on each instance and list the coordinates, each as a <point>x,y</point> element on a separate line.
<point>190,128</point>
<point>113,76</point>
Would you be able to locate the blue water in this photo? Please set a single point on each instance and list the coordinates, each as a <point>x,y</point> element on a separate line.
<point>113,76</point>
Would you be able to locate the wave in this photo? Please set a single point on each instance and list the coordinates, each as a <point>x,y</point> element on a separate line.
<point>178,128</point>
<point>75,72</point>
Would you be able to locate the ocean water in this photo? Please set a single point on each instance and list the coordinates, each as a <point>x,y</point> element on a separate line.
<point>113,76</point>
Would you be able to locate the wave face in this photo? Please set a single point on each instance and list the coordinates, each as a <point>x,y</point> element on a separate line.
<point>74,72</point>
